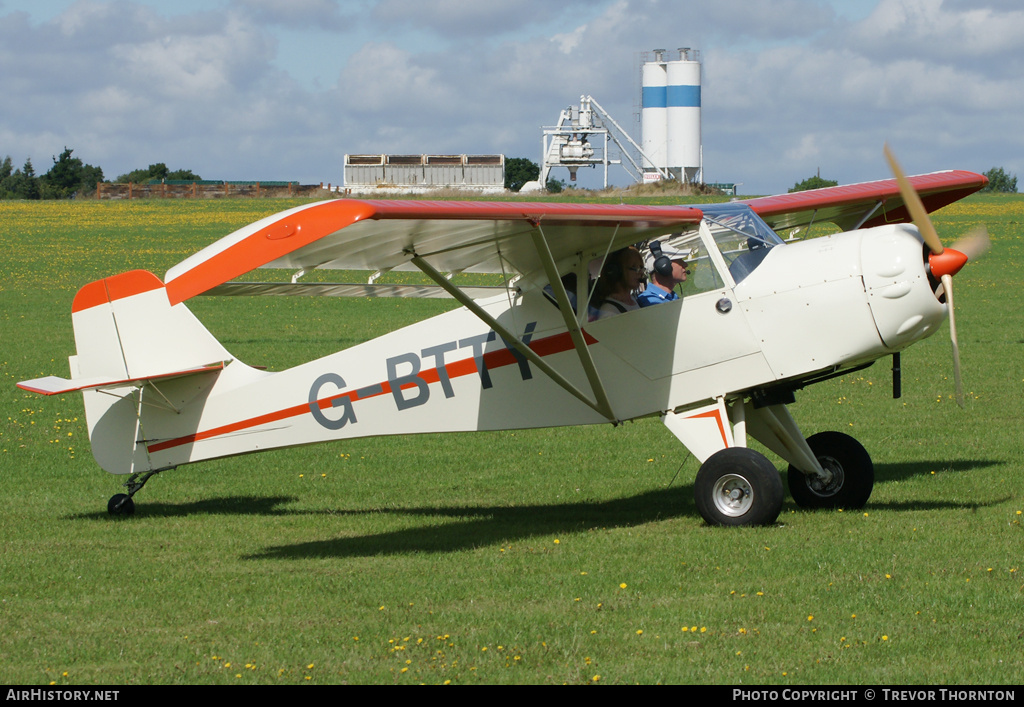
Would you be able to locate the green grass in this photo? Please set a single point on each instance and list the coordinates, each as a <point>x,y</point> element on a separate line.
<point>546,556</point>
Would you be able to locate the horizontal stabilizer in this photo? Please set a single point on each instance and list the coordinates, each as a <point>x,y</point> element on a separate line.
<point>55,385</point>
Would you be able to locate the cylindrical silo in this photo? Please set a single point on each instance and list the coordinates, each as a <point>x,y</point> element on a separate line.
<point>683,116</point>
<point>654,113</point>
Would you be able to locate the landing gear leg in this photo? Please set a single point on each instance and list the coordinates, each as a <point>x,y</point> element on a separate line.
<point>121,504</point>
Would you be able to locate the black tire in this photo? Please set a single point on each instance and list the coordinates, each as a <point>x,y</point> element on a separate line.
<point>853,474</point>
<point>121,504</point>
<point>738,486</point>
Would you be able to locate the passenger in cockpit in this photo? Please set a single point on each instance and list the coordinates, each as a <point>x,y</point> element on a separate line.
<point>620,278</point>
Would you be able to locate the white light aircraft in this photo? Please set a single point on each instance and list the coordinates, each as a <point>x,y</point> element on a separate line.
<point>759,318</point>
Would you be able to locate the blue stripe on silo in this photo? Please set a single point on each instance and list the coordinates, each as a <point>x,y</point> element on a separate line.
<point>655,97</point>
<point>683,97</point>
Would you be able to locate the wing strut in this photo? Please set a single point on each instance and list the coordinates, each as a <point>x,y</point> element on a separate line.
<point>540,242</point>
<point>868,215</point>
<point>514,340</point>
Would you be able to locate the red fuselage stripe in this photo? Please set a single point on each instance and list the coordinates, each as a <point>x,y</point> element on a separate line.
<point>492,360</point>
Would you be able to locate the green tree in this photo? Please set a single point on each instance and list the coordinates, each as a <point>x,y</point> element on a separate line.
<point>68,176</point>
<point>157,172</point>
<point>519,171</point>
<point>183,175</point>
<point>1000,181</point>
<point>815,182</point>
<point>20,183</point>
<point>140,176</point>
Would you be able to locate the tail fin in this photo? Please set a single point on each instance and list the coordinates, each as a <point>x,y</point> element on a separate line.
<point>126,329</point>
<point>134,347</point>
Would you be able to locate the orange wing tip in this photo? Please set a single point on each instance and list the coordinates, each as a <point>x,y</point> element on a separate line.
<point>290,232</point>
<point>114,288</point>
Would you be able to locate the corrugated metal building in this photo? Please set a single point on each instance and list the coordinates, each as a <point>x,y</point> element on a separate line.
<point>424,173</point>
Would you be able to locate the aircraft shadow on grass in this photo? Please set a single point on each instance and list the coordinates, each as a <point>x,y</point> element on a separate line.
<point>468,527</point>
<point>482,526</point>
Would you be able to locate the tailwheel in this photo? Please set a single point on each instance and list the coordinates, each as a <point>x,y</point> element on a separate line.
<point>738,486</point>
<point>121,504</point>
<point>848,465</point>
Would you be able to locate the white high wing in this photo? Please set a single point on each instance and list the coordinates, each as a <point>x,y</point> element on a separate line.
<point>759,318</point>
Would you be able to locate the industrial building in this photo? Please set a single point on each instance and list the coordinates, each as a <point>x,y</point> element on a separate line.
<point>419,174</point>
<point>670,116</point>
<point>670,127</point>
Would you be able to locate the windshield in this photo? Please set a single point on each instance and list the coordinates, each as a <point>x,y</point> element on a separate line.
<point>742,237</point>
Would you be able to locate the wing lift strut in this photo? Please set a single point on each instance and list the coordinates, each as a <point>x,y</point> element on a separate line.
<point>598,401</point>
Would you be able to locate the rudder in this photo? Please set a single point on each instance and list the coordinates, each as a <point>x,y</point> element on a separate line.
<point>127,330</point>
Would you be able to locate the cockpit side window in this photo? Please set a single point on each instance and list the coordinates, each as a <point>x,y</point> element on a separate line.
<point>743,239</point>
<point>701,273</point>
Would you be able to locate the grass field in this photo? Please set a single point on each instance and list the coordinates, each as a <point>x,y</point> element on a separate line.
<point>552,556</point>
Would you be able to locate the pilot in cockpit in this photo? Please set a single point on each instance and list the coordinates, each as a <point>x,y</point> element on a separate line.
<point>667,266</point>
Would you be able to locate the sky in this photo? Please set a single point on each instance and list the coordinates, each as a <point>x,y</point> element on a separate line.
<point>283,89</point>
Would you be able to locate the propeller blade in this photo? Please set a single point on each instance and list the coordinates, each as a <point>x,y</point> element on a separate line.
<point>914,205</point>
<point>975,243</point>
<point>947,284</point>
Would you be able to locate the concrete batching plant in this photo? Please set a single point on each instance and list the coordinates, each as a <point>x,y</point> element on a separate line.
<point>670,116</point>
<point>581,139</point>
<point>669,125</point>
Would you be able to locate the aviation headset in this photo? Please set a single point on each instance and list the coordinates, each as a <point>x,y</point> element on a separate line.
<point>662,263</point>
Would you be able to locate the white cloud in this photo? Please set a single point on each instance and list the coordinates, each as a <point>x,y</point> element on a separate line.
<point>789,85</point>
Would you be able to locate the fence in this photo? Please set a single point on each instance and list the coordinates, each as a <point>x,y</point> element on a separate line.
<point>207,190</point>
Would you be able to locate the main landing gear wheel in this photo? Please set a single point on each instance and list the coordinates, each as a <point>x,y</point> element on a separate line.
<point>853,474</point>
<point>738,486</point>
<point>121,504</point>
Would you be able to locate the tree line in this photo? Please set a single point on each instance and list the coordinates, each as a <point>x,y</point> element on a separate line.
<point>69,176</point>
<point>998,181</point>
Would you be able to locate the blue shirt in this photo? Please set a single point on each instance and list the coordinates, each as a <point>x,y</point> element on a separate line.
<point>655,294</point>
